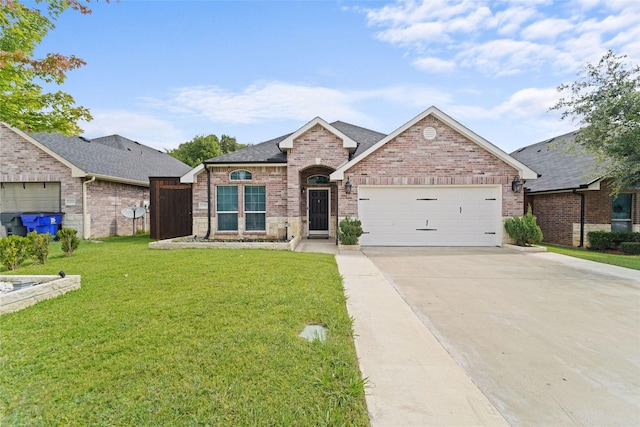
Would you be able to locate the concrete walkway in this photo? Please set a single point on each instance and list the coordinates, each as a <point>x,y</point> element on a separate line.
<point>412,380</point>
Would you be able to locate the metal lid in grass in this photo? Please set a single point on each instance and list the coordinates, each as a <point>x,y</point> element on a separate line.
<point>314,332</point>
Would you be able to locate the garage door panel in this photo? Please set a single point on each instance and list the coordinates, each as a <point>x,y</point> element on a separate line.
<point>429,216</point>
<point>30,197</point>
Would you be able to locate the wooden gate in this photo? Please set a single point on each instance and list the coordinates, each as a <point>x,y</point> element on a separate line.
<point>170,208</point>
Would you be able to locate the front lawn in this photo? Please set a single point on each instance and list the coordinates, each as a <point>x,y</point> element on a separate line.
<point>190,337</point>
<point>628,261</point>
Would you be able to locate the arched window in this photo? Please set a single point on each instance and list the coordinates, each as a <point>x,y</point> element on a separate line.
<point>240,175</point>
<point>318,179</point>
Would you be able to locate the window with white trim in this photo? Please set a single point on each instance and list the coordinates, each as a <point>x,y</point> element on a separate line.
<point>241,175</point>
<point>255,207</point>
<point>227,207</point>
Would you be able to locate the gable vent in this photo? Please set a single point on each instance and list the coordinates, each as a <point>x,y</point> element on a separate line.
<point>429,133</point>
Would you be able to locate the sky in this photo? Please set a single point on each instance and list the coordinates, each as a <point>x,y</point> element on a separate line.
<point>163,72</point>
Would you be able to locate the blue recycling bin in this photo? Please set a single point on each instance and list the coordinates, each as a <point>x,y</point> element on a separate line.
<point>42,222</point>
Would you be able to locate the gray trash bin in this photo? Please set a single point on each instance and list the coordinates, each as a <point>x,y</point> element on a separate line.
<point>13,223</point>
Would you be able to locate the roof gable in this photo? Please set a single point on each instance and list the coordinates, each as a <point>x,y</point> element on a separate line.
<point>75,170</point>
<point>523,170</point>
<point>347,142</point>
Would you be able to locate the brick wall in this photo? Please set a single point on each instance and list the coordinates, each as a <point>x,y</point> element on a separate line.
<point>598,205</point>
<point>105,201</point>
<point>556,213</point>
<point>449,159</point>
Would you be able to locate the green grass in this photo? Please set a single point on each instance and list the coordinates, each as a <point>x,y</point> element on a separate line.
<point>628,261</point>
<point>190,337</point>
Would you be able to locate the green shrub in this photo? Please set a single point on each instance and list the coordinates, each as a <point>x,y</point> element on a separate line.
<point>524,230</point>
<point>39,246</point>
<point>624,236</point>
<point>600,240</point>
<point>350,231</point>
<point>14,250</point>
<point>603,240</point>
<point>630,248</point>
<point>69,240</point>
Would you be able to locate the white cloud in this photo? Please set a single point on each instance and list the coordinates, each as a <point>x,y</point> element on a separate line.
<point>528,102</point>
<point>547,29</point>
<point>260,101</point>
<point>410,11</point>
<point>141,127</point>
<point>509,21</point>
<point>405,96</point>
<point>522,119</point>
<point>471,22</point>
<point>280,101</point>
<point>416,33</point>
<point>435,65</point>
<point>502,37</point>
<point>506,56</point>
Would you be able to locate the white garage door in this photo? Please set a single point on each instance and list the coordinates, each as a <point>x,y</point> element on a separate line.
<point>430,216</point>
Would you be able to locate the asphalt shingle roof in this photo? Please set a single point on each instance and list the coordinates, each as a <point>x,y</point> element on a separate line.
<point>113,156</point>
<point>269,152</point>
<point>364,137</point>
<point>561,163</point>
<point>264,152</point>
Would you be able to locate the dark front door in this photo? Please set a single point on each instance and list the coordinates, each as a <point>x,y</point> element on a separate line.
<point>319,212</point>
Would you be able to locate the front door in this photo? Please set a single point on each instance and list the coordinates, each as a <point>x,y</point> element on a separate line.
<point>319,212</point>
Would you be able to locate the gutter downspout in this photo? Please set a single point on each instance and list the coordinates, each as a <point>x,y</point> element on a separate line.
<point>581,220</point>
<point>337,212</point>
<point>582,208</point>
<point>85,218</point>
<point>206,236</point>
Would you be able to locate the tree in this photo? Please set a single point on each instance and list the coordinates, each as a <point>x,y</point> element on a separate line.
<point>228,144</point>
<point>605,100</point>
<point>202,148</point>
<point>197,150</point>
<point>23,102</point>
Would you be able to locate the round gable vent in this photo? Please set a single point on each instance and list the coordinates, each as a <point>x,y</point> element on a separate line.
<point>429,133</point>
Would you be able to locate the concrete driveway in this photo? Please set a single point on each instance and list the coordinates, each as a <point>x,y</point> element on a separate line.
<point>547,342</point>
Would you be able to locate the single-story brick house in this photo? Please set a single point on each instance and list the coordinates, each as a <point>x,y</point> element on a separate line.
<point>571,197</point>
<point>431,182</point>
<point>90,181</point>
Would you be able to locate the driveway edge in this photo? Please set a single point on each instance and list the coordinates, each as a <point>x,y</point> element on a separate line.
<point>413,380</point>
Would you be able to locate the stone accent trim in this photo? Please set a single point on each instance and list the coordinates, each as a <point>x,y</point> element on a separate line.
<point>48,287</point>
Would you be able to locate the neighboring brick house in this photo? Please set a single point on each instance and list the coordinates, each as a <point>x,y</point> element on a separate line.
<point>571,197</point>
<point>90,181</point>
<point>431,182</point>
